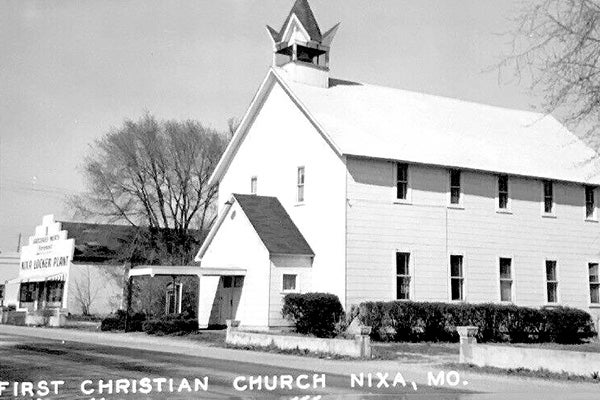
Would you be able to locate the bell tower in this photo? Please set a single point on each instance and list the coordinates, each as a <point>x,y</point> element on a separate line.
<point>301,49</point>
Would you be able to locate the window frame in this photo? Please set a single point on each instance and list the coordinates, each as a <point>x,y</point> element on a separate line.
<point>551,213</point>
<point>407,182</point>
<point>460,278</point>
<point>254,185</point>
<point>300,186</point>
<point>555,281</point>
<point>511,279</point>
<point>295,289</point>
<point>460,186</point>
<point>594,216</point>
<point>408,276</point>
<point>508,208</point>
<point>595,283</point>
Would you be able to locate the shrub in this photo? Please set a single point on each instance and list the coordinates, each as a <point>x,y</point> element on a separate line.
<point>313,313</point>
<point>116,322</point>
<point>171,324</point>
<point>422,321</point>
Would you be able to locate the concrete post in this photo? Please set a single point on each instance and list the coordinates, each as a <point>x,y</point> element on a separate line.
<point>467,341</point>
<point>232,324</point>
<point>364,340</point>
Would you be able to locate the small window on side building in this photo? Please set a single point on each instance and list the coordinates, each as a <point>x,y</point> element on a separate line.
<point>289,282</point>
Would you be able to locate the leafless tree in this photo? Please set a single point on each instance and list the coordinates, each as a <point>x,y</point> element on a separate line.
<point>154,174</point>
<point>85,290</point>
<point>556,44</point>
<point>232,125</point>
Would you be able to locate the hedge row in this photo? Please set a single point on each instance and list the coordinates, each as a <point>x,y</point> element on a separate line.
<point>116,322</point>
<point>171,324</point>
<point>420,321</point>
<point>313,313</point>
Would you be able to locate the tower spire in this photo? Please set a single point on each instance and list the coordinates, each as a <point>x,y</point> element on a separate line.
<point>300,48</point>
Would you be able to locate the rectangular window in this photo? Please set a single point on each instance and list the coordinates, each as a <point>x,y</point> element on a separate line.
<point>401,181</point>
<point>548,197</point>
<point>403,276</point>
<point>590,203</point>
<point>253,184</point>
<point>54,291</point>
<point>28,292</point>
<point>1,292</point>
<point>503,192</point>
<point>454,186</point>
<point>594,283</point>
<point>227,281</point>
<point>300,194</point>
<point>551,282</point>
<point>456,277</point>
<point>289,282</point>
<point>238,281</point>
<point>506,279</point>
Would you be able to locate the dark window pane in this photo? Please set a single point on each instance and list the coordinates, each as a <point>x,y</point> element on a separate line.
<point>505,268</point>
<point>548,205</point>
<point>227,281</point>
<point>289,282</point>
<point>456,266</point>
<point>456,289</point>
<point>403,288</point>
<point>595,293</point>
<point>552,292</point>
<point>402,172</point>
<point>593,272</point>
<point>503,183</point>
<point>502,200</point>
<point>455,178</point>
<point>401,190</point>
<point>547,189</point>
<point>402,260</point>
<point>505,290</point>
<point>455,196</point>
<point>550,270</point>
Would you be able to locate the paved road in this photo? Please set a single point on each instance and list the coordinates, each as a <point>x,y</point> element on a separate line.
<point>27,359</point>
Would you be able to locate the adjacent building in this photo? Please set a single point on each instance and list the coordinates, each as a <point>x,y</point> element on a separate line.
<point>376,193</point>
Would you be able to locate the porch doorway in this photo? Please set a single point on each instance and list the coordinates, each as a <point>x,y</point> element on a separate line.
<point>227,298</point>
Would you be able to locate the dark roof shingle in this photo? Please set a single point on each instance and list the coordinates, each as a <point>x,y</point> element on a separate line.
<point>273,225</point>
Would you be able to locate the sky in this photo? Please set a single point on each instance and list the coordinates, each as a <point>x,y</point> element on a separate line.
<point>72,70</point>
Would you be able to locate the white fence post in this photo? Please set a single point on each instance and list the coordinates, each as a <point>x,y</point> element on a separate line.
<point>467,340</point>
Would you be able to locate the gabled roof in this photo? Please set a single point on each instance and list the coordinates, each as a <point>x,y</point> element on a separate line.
<point>270,221</point>
<point>273,225</point>
<point>363,120</point>
<point>303,12</point>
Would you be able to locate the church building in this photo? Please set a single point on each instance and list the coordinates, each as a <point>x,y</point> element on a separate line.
<point>377,193</point>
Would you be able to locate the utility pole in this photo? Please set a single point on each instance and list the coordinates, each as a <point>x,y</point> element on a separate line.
<point>19,243</point>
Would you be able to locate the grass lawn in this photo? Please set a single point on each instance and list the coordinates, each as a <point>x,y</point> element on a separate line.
<point>590,347</point>
<point>523,372</point>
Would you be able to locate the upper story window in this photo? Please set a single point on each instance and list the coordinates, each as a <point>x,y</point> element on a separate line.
<point>253,185</point>
<point>455,191</point>
<point>402,181</point>
<point>402,276</point>
<point>590,203</point>
<point>548,197</point>
<point>456,277</point>
<point>503,192</point>
<point>506,279</point>
<point>300,185</point>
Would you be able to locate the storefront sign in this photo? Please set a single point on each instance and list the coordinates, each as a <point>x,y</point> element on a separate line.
<point>49,251</point>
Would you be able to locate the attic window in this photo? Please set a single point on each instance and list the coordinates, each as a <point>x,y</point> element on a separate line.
<point>300,185</point>
<point>253,184</point>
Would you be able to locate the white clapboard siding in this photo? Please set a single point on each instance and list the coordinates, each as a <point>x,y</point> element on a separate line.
<point>280,265</point>
<point>280,140</point>
<point>377,227</point>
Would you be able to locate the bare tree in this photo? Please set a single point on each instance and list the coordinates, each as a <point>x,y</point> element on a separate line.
<point>154,174</point>
<point>556,43</point>
<point>85,290</point>
<point>232,125</point>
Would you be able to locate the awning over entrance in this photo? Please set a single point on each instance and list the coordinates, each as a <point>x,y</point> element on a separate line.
<point>154,270</point>
<point>40,278</point>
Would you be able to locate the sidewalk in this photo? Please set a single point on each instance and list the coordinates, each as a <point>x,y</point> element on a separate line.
<point>482,383</point>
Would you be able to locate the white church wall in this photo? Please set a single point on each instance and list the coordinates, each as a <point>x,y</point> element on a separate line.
<point>237,245</point>
<point>430,231</point>
<point>279,141</point>
<point>301,267</point>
